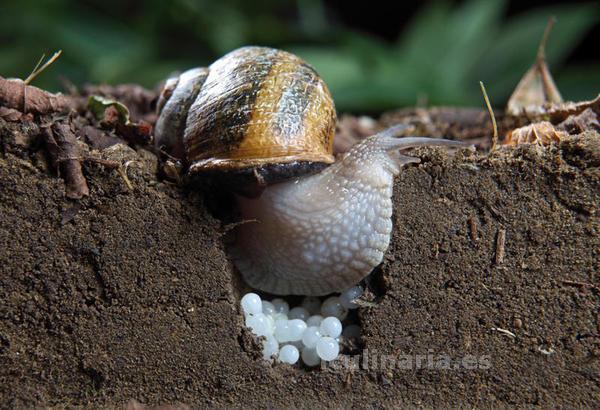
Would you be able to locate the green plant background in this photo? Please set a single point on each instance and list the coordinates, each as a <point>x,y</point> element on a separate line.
<point>438,58</point>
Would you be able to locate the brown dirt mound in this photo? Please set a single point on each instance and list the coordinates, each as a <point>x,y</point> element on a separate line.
<point>128,294</point>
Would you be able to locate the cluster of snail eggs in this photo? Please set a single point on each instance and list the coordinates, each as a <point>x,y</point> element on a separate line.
<point>312,331</point>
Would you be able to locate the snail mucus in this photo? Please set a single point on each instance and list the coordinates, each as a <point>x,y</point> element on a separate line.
<point>266,119</point>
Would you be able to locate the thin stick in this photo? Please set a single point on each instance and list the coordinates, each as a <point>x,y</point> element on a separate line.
<point>37,71</point>
<point>492,116</point>
<point>500,242</point>
<point>35,68</point>
<point>541,53</point>
<point>505,332</point>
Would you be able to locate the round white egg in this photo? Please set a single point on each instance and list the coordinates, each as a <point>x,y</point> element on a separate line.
<point>251,304</point>
<point>289,354</point>
<point>328,348</point>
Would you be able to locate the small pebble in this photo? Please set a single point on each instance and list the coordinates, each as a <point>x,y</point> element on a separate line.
<point>517,323</point>
<point>311,336</point>
<point>251,304</point>
<point>348,297</point>
<point>312,304</point>
<point>331,326</point>
<point>314,320</point>
<point>328,349</point>
<point>289,354</point>
<point>310,357</point>
<point>333,307</point>
<point>298,313</point>
<point>281,306</point>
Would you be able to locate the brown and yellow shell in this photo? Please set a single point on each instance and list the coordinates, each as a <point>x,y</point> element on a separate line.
<point>257,108</point>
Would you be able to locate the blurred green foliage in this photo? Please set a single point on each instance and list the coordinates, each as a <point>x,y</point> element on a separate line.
<point>438,58</point>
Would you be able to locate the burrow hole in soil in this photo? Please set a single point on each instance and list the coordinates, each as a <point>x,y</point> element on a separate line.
<point>221,205</point>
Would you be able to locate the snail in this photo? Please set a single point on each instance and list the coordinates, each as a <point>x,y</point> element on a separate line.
<point>264,116</point>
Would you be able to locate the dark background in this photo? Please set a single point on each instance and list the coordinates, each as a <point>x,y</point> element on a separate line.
<point>378,56</point>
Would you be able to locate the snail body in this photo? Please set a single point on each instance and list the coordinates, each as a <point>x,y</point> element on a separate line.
<point>266,114</point>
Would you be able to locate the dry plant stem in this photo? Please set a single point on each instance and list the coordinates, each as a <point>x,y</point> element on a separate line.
<point>473,229</point>
<point>16,94</point>
<point>500,242</point>
<point>62,146</point>
<point>492,116</point>
<point>37,71</point>
<point>549,86</point>
<point>541,54</point>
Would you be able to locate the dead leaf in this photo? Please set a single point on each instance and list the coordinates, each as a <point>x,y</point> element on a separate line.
<point>115,115</point>
<point>541,133</point>
<point>537,88</point>
<point>560,112</point>
<point>576,124</point>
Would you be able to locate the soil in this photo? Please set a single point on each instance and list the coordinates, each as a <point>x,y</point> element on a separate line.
<point>487,296</point>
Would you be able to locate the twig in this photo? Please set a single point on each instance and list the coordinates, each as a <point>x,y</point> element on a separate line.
<point>16,94</point>
<point>473,229</point>
<point>29,78</point>
<point>492,116</point>
<point>500,250</point>
<point>123,172</point>
<point>505,332</point>
<point>547,352</point>
<point>62,146</point>
<point>541,53</point>
<point>540,60</point>
<point>37,71</point>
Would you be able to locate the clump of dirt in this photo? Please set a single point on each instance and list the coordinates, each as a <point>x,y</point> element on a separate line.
<point>488,294</point>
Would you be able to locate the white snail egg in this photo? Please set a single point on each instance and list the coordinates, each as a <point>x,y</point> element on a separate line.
<point>311,336</point>
<point>251,304</point>
<point>281,306</point>
<point>298,313</point>
<point>301,331</point>
<point>289,354</point>
<point>312,304</point>
<point>310,357</point>
<point>268,308</point>
<point>314,320</point>
<point>348,297</point>
<point>280,316</point>
<point>331,326</point>
<point>270,347</point>
<point>328,348</point>
<point>296,328</point>
<point>298,343</point>
<point>282,331</point>
<point>333,307</point>
<point>259,324</point>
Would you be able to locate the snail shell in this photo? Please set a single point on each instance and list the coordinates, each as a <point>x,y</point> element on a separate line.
<point>256,110</point>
